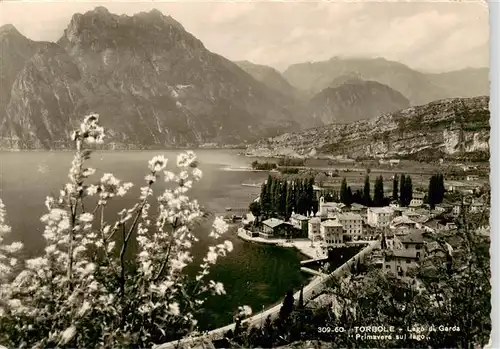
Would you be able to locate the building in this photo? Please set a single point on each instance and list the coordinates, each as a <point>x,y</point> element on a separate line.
<point>313,229</point>
<point>352,223</point>
<point>394,162</point>
<point>417,200</point>
<point>358,208</point>
<point>402,222</point>
<point>398,262</point>
<point>472,178</point>
<point>274,227</point>
<point>379,216</point>
<point>457,209</point>
<point>299,222</point>
<point>414,243</point>
<point>329,209</point>
<point>476,207</point>
<point>332,233</point>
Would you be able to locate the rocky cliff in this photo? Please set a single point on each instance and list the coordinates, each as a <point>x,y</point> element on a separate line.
<point>153,83</point>
<point>353,100</point>
<point>454,128</point>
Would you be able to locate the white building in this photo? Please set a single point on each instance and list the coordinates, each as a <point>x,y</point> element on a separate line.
<point>379,216</point>
<point>329,209</point>
<point>398,262</point>
<point>352,223</point>
<point>417,199</point>
<point>313,229</point>
<point>332,233</point>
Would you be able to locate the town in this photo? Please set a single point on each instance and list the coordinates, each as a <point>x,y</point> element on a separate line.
<point>320,222</point>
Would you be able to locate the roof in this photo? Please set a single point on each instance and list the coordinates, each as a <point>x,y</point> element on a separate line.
<point>273,222</point>
<point>379,210</point>
<point>414,237</point>
<point>401,254</point>
<point>402,220</point>
<point>331,223</point>
<point>315,220</point>
<point>418,195</point>
<point>414,204</point>
<point>299,217</point>
<point>359,206</point>
<point>349,215</point>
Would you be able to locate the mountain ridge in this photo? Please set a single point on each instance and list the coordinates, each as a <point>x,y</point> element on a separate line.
<point>456,128</point>
<point>153,83</point>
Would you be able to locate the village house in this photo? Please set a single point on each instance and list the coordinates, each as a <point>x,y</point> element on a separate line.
<point>274,227</point>
<point>352,223</point>
<point>457,209</point>
<point>299,222</point>
<point>414,242</point>
<point>332,233</point>
<point>358,208</point>
<point>402,222</point>
<point>313,229</point>
<point>329,209</point>
<point>379,216</point>
<point>394,162</point>
<point>472,178</point>
<point>476,207</point>
<point>398,262</point>
<point>417,200</point>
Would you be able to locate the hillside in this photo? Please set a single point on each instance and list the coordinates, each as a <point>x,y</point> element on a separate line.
<point>355,100</point>
<point>417,87</point>
<point>451,128</point>
<point>269,77</point>
<point>467,82</point>
<point>154,84</point>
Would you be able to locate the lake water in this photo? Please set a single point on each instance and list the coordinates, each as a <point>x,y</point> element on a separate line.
<point>255,275</point>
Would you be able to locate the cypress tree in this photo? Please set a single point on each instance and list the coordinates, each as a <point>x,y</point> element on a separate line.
<point>348,197</point>
<point>402,191</point>
<point>366,191</point>
<point>283,199</point>
<point>409,190</point>
<point>343,191</point>
<point>289,201</point>
<point>432,192</point>
<point>378,192</point>
<point>395,188</point>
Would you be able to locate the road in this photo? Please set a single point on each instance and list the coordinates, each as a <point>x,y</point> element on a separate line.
<point>314,288</point>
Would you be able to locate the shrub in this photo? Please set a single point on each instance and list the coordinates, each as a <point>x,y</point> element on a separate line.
<point>83,291</point>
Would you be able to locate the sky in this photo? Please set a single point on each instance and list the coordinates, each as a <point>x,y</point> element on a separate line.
<point>428,36</point>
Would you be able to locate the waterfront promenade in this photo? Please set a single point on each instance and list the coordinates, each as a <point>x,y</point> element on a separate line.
<point>313,289</point>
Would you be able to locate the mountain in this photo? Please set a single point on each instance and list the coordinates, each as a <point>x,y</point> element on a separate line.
<point>269,77</point>
<point>16,49</point>
<point>418,87</point>
<point>354,100</point>
<point>452,128</point>
<point>467,82</point>
<point>153,83</point>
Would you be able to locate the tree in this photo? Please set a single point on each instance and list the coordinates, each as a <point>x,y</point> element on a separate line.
<point>395,188</point>
<point>402,191</point>
<point>287,307</point>
<point>378,194</point>
<point>301,299</point>
<point>408,190</point>
<point>348,197</point>
<point>255,208</point>
<point>82,291</point>
<point>343,191</point>
<point>367,200</point>
<point>283,199</point>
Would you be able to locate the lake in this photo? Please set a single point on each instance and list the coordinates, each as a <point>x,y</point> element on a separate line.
<point>254,275</point>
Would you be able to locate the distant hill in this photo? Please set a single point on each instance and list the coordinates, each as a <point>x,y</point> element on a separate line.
<point>154,84</point>
<point>353,100</point>
<point>417,87</point>
<point>456,128</point>
<point>269,77</point>
<point>467,82</point>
